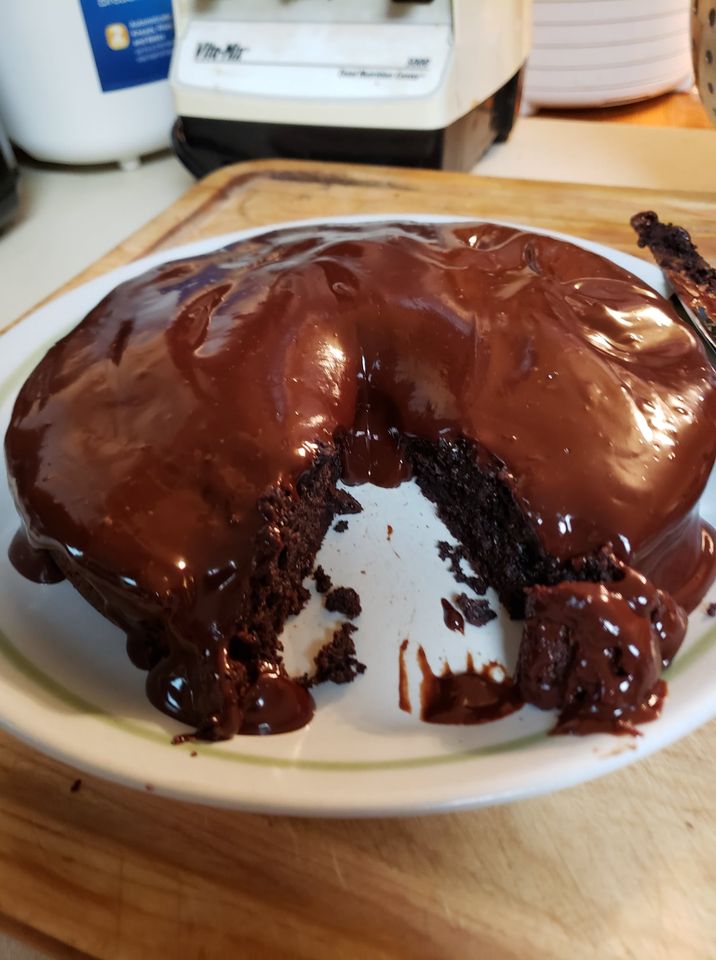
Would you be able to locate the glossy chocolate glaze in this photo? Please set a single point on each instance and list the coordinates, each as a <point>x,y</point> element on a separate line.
<point>139,446</point>
<point>276,704</point>
<point>596,651</point>
<point>452,618</point>
<point>576,721</point>
<point>403,685</point>
<point>33,564</point>
<point>475,696</point>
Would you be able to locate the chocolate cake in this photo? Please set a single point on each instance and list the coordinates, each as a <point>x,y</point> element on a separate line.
<point>177,453</point>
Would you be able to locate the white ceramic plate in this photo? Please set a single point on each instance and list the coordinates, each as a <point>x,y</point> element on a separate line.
<point>67,687</point>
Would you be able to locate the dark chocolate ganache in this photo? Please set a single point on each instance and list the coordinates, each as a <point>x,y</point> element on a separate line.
<point>452,618</point>
<point>33,564</point>
<point>469,697</point>
<point>140,445</point>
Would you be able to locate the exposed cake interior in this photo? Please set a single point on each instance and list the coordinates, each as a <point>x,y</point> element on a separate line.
<point>693,278</point>
<point>178,452</point>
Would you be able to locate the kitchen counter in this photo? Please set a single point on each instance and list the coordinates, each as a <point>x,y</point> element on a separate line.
<point>70,216</point>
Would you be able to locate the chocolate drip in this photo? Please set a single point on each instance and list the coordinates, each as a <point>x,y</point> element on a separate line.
<point>373,451</point>
<point>210,692</point>
<point>276,704</point>
<point>691,591</point>
<point>36,565</point>
<point>403,686</point>
<point>454,620</point>
<point>475,696</point>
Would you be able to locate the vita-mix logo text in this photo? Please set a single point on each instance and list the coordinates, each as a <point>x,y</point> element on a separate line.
<point>208,52</point>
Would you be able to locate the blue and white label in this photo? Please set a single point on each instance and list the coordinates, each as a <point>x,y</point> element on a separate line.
<point>131,40</point>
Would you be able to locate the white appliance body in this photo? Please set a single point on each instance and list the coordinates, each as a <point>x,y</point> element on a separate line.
<point>377,65</point>
<point>591,53</point>
<point>52,99</point>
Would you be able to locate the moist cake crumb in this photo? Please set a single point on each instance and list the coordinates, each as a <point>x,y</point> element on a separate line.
<point>341,526</point>
<point>455,554</point>
<point>674,249</point>
<point>344,502</point>
<point>336,660</point>
<point>180,738</point>
<point>323,581</point>
<point>344,600</point>
<point>476,612</point>
<point>76,785</point>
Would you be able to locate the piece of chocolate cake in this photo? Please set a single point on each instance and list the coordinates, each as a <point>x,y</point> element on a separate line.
<point>595,651</point>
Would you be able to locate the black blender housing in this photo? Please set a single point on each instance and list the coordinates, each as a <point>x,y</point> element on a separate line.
<point>204,144</point>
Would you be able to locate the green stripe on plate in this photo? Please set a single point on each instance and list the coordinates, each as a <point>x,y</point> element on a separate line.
<point>57,691</point>
<point>695,652</point>
<point>32,673</point>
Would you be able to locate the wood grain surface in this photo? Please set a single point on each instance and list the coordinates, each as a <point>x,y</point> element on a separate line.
<point>668,110</point>
<point>621,868</point>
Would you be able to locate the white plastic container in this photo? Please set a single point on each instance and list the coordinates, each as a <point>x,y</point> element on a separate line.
<point>51,78</point>
<point>599,52</point>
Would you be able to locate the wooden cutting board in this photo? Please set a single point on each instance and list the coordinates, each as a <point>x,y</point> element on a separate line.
<point>620,868</point>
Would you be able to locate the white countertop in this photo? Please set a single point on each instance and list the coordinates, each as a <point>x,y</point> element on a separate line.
<point>69,217</point>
